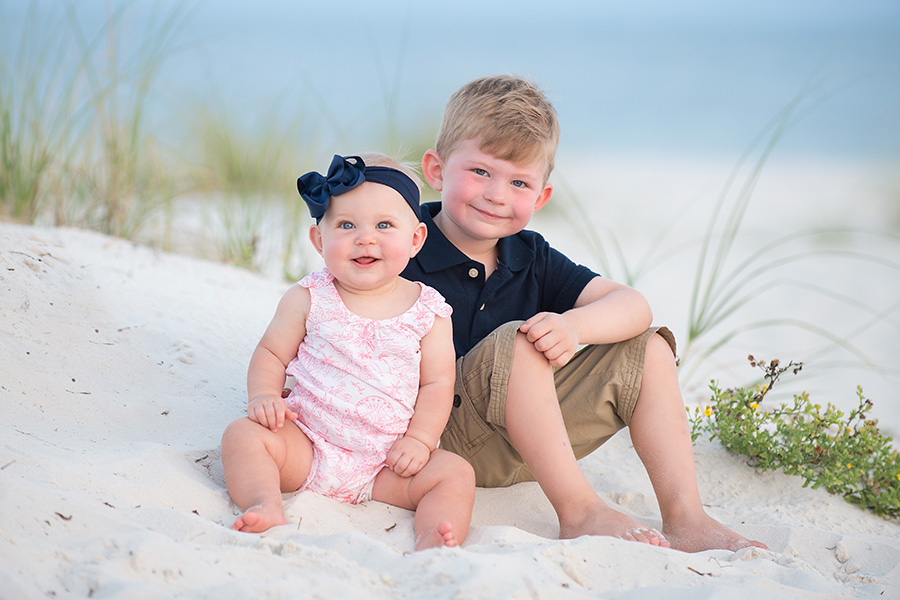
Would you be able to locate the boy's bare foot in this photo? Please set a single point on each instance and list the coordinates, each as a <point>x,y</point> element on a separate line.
<point>600,519</point>
<point>440,536</point>
<point>259,518</point>
<point>702,532</point>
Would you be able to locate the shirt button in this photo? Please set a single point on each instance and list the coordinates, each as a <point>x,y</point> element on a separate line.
<point>457,401</point>
<point>482,307</point>
<point>473,272</point>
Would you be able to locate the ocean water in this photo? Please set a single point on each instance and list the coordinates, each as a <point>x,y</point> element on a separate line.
<point>657,103</point>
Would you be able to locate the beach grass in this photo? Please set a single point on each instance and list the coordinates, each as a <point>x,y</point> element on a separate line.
<point>729,277</point>
<point>36,117</point>
<point>242,171</point>
<point>73,108</point>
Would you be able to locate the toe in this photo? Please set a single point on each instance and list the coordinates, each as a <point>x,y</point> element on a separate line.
<point>647,536</point>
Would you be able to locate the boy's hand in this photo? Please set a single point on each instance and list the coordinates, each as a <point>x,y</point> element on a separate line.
<point>552,334</point>
<point>407,456</point>
<point>270,411</point>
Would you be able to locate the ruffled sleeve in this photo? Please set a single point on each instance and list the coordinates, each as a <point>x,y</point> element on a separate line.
<point>317,279</point>
<point>433,301</point>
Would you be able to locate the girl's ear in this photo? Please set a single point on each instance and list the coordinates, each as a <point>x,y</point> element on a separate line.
<point>433,170</point>
<point>419,236</point>
<point>315,236</point>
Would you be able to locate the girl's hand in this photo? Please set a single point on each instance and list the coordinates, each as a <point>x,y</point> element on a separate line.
<point>407,456</point>
<point>270,411</point>
<point>553,335</point>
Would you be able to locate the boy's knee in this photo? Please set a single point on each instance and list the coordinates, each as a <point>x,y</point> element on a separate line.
<point>524,350</point>
<point>658,348</point>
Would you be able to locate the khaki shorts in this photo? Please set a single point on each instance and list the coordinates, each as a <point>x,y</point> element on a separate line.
<point>597,392</point>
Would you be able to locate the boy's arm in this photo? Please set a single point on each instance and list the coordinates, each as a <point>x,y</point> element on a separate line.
<point>433,403</point>
<point>605,312</point>
<point>278,346</point>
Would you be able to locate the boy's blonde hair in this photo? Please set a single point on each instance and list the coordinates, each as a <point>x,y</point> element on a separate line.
<point>510,116</point>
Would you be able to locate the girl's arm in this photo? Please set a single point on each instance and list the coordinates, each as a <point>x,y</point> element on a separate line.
<point>436,379</point>
<point>278,346</point>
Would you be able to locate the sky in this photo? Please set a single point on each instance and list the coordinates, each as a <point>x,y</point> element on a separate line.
<point>698,78</point>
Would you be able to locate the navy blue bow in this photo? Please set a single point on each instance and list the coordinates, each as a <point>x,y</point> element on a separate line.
<point>344,175</point>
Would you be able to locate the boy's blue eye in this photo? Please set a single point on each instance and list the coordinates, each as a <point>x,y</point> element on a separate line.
<point>519,183</point>
<point>478,171</point>
<point>346,225</point>
<point>384,225</point>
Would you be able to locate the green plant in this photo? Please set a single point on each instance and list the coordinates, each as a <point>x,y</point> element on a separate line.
<point>247,171</point>
<point>123,177</point>
<point>36,116</point>
<point>73,141</point>
<point>845,454</point>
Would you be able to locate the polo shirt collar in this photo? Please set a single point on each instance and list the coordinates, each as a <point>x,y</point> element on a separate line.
<point>440,253</point>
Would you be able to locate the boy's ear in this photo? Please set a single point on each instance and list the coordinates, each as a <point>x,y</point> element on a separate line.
<point>544,197</point>
<point>419,236</point>
<point>315,236</point>
<point>433,170</point>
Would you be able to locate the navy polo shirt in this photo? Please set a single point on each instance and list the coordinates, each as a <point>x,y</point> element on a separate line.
<point>531,277</point>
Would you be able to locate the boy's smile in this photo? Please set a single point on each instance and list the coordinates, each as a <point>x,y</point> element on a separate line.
<point>484,198</point>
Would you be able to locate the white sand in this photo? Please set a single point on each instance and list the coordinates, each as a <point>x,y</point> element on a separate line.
<point>120,368</point>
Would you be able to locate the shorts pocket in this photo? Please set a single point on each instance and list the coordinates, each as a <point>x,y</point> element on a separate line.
<point>466,429</point>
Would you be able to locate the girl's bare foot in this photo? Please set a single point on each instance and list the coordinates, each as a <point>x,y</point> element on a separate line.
<point>440,536</point>
<point>259,518</point>
<point>600,519</point>
<point>702,532</point>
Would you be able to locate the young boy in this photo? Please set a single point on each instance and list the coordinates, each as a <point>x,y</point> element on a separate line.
<point>527,402</point>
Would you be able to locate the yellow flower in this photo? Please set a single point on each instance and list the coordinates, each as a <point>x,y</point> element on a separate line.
<point>708,411</point>
<point>898,475</point>
<point>849,466</point>
<point>754,405</point>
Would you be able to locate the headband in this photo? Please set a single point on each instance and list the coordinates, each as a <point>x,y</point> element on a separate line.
<point>344,176</point>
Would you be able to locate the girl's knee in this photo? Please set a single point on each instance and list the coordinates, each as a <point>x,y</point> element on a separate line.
<point>234,431</point>
<point>455,467</point>
<point>242,431</point>
<point>239,428</point>
<point>464,471</point>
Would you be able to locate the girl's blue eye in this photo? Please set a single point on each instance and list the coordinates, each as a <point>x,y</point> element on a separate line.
<point>346,225</point>
<point>384,225</point>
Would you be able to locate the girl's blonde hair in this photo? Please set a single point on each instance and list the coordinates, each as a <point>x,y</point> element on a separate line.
<point>377,159</point>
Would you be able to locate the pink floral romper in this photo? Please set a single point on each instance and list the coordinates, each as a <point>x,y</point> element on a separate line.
<point>357,383</point>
